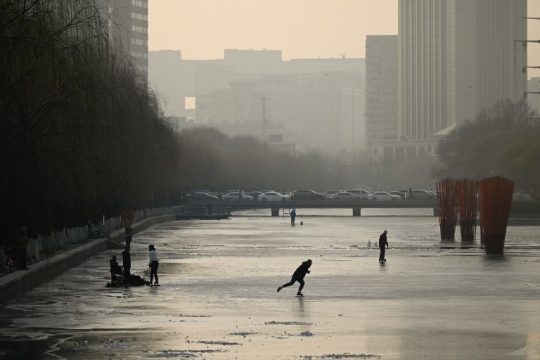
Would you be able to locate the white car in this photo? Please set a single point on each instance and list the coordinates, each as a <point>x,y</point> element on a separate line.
<point>234,196</point>
<point>273,196</point>
<point>344,196</point>
<point>385,196</point>
<point>330,193</point>
<point>521,196</point>
<point>361,194</point>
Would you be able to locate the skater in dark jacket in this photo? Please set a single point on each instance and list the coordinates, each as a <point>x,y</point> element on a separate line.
<point>382,243</point>
<point>298,275</point>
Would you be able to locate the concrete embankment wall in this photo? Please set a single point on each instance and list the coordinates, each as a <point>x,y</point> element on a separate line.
<point>20,281</point>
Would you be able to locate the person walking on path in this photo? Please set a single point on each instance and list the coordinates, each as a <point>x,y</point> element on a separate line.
<point>382,243</point>
<point>293,216</point>
<point>298,275</point>
<point>153,264</point>
<point>126,262</point>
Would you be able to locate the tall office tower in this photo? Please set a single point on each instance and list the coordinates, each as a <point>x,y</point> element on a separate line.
<point>534,98</point>
<point>381,87</point>
<point>128,21</point>
<point>456,58</point>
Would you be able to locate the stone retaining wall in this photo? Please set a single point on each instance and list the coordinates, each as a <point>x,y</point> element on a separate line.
<point>20,281</point>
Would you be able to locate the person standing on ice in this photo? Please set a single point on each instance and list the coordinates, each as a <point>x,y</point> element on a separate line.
<point>382,242</point>
<point>298,275</point>
<point>293,216</point>
<point>153,263</point>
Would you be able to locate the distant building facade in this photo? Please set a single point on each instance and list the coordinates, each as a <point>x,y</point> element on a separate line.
<point>128,20</point>
<point>381,87</point>
<point>456,58</point>
<point>320,102</point>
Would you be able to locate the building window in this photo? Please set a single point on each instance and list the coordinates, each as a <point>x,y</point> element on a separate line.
<point>190,103</point>
<point>138,16</point>
<point>143,4</point>
<point>139,42</point>
<point>139,55</point>
<point>140,29</point>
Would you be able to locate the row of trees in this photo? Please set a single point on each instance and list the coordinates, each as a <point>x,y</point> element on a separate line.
<point>502,141</point>
<point>81,136</point>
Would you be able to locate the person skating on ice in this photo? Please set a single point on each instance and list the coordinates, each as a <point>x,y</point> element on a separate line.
<point>298,275</point>
<point>382,242</point>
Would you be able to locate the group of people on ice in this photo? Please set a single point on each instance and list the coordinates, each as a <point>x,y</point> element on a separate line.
<point>121,275</point>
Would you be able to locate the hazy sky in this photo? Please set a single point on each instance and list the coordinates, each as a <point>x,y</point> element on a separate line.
<point>202,29</point>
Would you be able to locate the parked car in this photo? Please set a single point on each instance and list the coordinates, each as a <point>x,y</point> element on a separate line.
<point>199,191</point>
<point>201,196</point>
<point>346,196</point>
<point>236,196</point>
<point>362,187</point>
<point>307,195</point>
<point>420,195</point>
<point>399,193</point>
<point>255,194</point>
<point>273,196</point>
<point>328,195</point>
<point>361,194</point>
<point>521,196</point>
<point>385,196</point>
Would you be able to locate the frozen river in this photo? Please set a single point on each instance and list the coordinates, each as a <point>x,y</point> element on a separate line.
<point>218,300</point>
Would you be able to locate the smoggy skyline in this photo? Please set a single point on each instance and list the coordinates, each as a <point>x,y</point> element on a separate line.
<point>202,29</point>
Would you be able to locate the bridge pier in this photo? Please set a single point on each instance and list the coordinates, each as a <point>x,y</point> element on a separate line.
<point>275,211</point>
<point>357,211</point>
<point>436,212</point>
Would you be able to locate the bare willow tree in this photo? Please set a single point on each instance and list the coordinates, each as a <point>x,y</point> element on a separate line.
<point>80,134</point>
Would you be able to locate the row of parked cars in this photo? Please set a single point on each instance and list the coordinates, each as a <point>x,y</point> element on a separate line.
<point>229,196</point>
<point>310,195</point>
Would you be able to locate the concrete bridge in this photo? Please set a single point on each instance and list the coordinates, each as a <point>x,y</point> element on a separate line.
<point>356,206</point>
<point>522,210</point>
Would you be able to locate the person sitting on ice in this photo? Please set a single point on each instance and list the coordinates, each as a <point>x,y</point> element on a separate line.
<point>116,272</point>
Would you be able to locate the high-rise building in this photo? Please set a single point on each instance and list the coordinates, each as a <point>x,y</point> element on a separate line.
<point>534,97</point>
<point>381,87</point>
<point>456,58</point>
<point>128,20</point>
